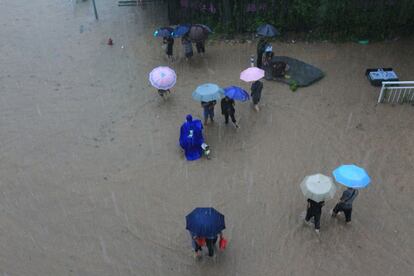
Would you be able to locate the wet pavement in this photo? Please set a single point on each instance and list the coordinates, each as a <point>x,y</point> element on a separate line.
<point>93,182</point>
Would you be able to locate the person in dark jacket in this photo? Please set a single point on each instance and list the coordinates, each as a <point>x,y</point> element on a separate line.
<point>188,47</point>
<point>261,47</point>
<point>227,109</point>
<point>208,108</point>
<point>169,41</point>
<point>345,204</point>
<point>200,46</point>
<point>256,93</point>
<point>314,210</point>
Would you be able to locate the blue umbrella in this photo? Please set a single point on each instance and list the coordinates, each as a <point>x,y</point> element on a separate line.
<point>163,32</point>
<point>205,222</point>
<point>236,93</point>
<point>181,30</point>
<point>351,176</point>
<point>208,92</point>
<point>267,30</point>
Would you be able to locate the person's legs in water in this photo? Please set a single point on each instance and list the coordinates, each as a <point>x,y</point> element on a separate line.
<point>337,209</point>
<point>197,249</point>
<point>211,114</point>
<point>210,247</point>
<point>308,216</point>
<point>206,114</point>
<point>256,104</point>
<point>317,222</point>
<point>226,118</point>
<point>348,213</point>
<point>233,119</point>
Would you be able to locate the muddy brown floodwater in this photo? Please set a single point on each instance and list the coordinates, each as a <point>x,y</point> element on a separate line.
<point>92,181</point>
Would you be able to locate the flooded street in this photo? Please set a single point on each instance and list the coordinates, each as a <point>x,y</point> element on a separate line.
<point>92,181</point>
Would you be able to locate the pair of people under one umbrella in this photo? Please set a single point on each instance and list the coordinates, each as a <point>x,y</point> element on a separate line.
<point>205,226</point>
<point>197,33</point>
<point>318,188</point>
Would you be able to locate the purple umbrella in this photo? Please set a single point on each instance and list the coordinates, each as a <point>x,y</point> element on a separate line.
<point>163,77</point>
<point>252,74</point>
<point>236,93</point>
<point>198,33</point>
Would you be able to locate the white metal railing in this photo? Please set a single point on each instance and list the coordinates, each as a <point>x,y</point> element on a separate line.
<point>397,92</point>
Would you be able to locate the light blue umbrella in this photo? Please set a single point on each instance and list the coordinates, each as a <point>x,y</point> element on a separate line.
<point>352,176</point>
<point>208,92</point>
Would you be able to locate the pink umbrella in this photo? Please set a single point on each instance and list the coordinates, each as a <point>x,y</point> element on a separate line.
<point>163,77</point>
<point>252,74</point>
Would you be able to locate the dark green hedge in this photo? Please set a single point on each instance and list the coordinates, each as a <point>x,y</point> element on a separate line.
<point>377,19</point>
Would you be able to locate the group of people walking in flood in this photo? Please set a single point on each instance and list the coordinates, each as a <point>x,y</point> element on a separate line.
<point>316,188</point>
<point>187,43</point>
<point>314,209</point>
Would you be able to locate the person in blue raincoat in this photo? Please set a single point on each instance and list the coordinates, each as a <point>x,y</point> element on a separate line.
<point>191,138</point>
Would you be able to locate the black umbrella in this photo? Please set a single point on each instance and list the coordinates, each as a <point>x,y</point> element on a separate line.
<point>207,28</point>
<point>198,33</point>
<point>267,30</point>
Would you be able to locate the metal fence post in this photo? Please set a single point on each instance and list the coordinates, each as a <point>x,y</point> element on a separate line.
<point>94,9</point>
<point>381,95</point>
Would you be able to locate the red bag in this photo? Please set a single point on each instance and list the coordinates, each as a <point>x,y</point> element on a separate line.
<point>201,241</point>
<point>222,243</point>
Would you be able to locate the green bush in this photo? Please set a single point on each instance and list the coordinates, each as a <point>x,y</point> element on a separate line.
<point>335,19</point>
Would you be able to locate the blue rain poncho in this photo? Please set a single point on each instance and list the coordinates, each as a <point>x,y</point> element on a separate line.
<point>191,138</point>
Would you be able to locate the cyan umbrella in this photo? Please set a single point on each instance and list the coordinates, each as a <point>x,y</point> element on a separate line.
<point>205,222</point>
<point>267,30</point>
<point>208,92</point>
<point>236,93</point>
<point>181,30</point>
<point>352,176</point>
<point>163,32</point>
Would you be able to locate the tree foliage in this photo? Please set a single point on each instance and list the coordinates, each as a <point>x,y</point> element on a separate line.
<point>324,18</point>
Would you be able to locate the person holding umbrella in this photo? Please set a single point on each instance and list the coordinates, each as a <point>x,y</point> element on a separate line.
<point>234,93</point>
<point>205,226</point>
<point>345,204</point>
<point>199,33</point>
<point>228,110</point>
<point>352,177</point>
<point>169,42</point>
<point>261,47</point>
<point>163,78</point>
<point>264,31</point>
<point>208,94</point>
<point>317,188</point>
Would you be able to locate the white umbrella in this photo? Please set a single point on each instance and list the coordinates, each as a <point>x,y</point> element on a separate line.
<point>318,187</point>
